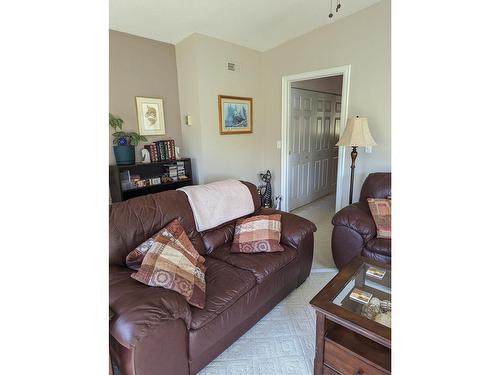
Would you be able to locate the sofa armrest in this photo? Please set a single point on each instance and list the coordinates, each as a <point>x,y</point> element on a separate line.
<point>358,218</point>
<point>297,233</point>
<point>353,227</point>
<point>139,308</point>
<point>294,229</point>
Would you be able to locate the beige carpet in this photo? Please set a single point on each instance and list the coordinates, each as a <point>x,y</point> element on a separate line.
<point>320,212</point>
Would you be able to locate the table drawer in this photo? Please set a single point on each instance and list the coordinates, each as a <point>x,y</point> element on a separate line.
<point>347,363</point>
<point>328,371</point>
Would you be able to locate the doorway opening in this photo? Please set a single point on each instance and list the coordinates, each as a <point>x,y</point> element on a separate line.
<point>312,179</point>
<point>311,165</point>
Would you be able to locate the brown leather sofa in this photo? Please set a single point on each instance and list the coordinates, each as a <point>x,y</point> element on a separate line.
<point>354,231</point>
<point>155,331</point>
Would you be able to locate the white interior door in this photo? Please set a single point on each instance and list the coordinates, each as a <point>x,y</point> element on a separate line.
<point>335,139</point>
<point>299,153</point>
<point>313,156</point>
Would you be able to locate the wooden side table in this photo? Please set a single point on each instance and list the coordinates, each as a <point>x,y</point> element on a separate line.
<point>346,342</point>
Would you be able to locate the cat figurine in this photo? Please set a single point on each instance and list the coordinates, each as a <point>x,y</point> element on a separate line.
<point>267,201</point>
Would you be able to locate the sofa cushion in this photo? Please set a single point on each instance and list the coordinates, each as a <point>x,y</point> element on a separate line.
<point>381,212</point>
<point>133,221</point>
<point>219,236</point>
<point>257,234</point>
<point>262,265</point>
<point>224,285</point>
<point>172,262</point>
<point>380,246</point>
<point>206,343</point>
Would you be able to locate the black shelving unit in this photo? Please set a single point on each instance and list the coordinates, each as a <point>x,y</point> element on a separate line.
<point>146,171</point>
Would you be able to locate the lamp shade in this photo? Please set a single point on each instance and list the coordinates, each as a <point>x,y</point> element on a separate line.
<point>357,133</point>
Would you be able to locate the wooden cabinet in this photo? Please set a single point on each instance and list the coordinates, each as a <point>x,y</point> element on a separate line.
<point>350,354</point>
<point>147,172</point>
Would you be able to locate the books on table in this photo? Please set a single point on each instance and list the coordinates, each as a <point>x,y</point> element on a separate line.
<point>360,296</point>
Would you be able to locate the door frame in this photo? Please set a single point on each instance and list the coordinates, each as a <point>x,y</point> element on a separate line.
<point>286,87</point>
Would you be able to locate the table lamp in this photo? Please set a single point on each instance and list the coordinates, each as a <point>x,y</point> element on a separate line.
<point>356,134</point>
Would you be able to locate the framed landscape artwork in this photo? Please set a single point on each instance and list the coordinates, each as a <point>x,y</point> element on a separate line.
<point>235,115</point>
<point>150,117</point>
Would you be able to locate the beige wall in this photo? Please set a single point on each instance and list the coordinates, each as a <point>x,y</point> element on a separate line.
<point>202,77</point>
<point>142,67</point>
<point>186,53</point>
<point>332,85</point>
<point>361,40</point>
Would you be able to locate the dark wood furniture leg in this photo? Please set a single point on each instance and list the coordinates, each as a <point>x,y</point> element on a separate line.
<point>320,343</point>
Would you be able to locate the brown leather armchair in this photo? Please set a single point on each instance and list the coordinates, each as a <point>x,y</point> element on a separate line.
<point>354,231</point>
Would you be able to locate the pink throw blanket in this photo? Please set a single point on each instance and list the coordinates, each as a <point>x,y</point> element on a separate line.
<point>218,202</point>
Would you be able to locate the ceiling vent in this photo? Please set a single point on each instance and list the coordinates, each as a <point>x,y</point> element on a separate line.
<point>231,66</point>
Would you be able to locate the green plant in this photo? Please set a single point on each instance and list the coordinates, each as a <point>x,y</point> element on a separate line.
<point>124,138</point>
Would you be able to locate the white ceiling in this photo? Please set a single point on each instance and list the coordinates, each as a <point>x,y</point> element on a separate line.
<point>258,24</point>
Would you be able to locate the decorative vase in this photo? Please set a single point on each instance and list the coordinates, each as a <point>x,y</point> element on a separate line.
<point>124,154</point>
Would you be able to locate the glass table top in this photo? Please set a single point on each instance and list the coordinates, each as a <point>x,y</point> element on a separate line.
<point>368,293</point>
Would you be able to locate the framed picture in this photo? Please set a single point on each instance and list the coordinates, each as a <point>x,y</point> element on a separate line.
<point>150,117</point>
<point>235,115</point>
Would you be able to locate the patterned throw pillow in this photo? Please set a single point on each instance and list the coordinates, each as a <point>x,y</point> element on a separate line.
<point>135,257</point>
<point>257,234</point>
<point>381,212</point>
<point>172,262</point>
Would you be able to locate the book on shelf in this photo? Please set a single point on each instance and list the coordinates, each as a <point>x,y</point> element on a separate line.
<point>171,149</point>
<point>154,152</point>
<point>163,151</point>
<point>167,150</point>
<point>158,153</point>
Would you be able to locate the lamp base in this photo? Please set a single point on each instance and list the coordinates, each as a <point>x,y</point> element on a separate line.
<point>354,155</point>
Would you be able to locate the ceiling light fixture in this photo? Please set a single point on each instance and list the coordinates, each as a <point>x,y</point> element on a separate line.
<point>330,15</point>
